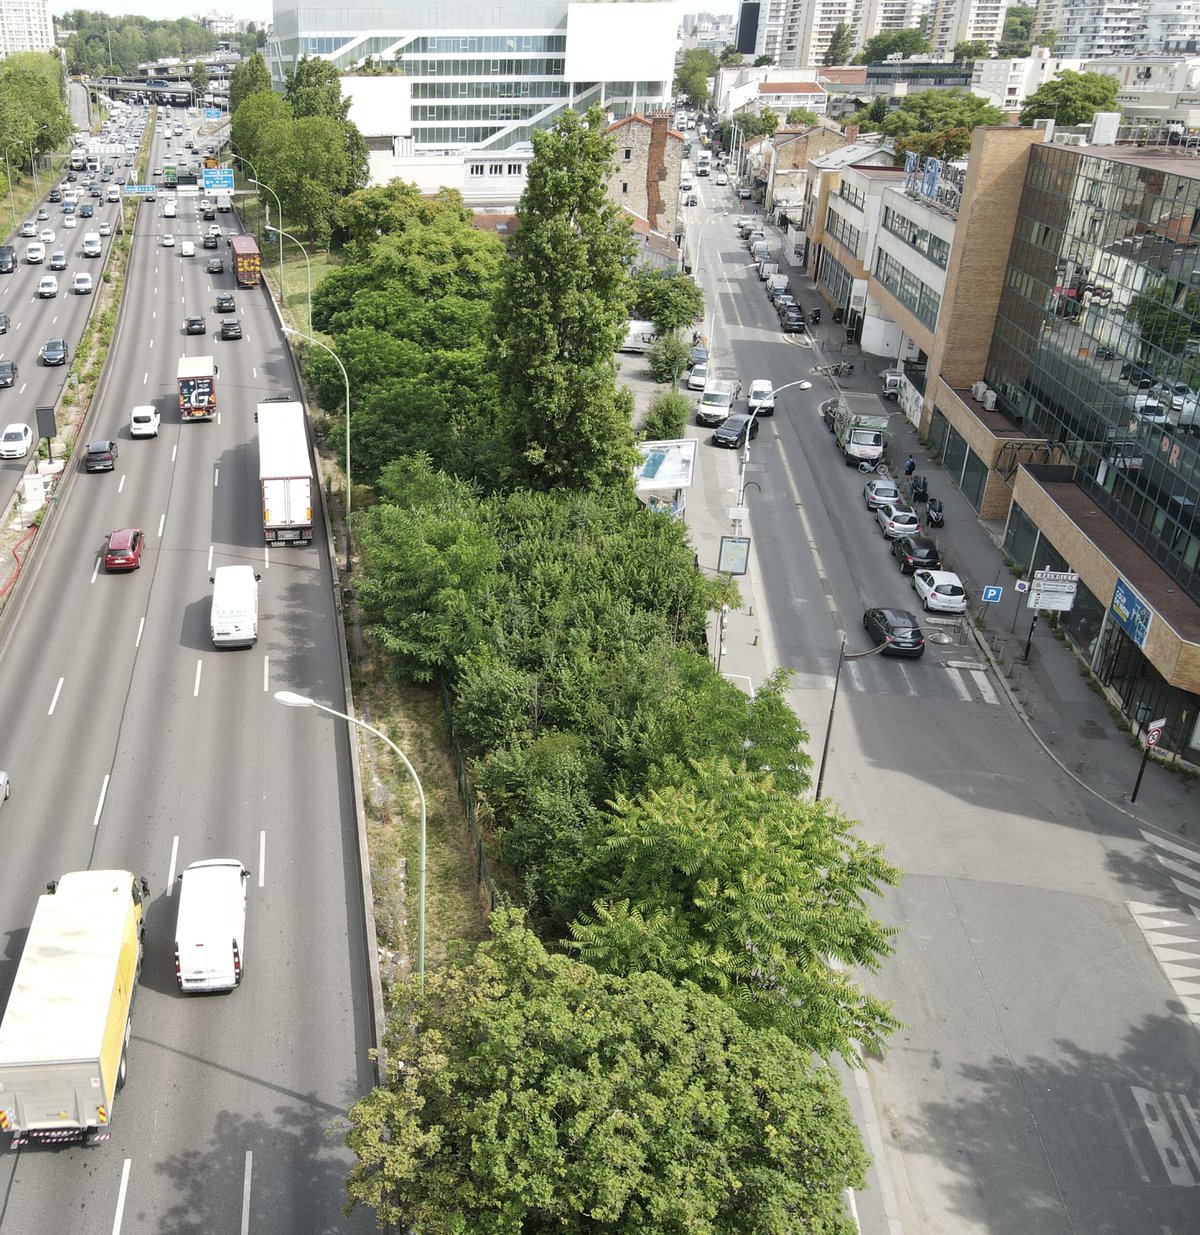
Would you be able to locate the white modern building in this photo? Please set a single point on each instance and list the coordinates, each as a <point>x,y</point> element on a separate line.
<point>25,25</point>
<point>1006,84</point>
<point>1090,29</point>
<point>808,28</point>
<point>880,16</point>
<point>966,21</point>
<point>465,85</point>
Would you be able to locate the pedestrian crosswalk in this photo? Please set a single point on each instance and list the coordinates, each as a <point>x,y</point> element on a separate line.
<point>1173,931</point>
<point>928,678</point>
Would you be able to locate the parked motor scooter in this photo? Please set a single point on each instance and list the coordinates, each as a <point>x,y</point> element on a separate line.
<point>920,488</point>
<point>815,317</point>
<point>935,515</point>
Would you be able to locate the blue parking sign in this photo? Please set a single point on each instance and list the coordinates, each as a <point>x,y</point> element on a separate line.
<point>992,593</point>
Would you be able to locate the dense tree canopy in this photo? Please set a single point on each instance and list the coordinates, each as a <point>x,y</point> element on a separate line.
<point>1071,98</point>
<point>802,118</point>
<point>528,1094</point>
<point>667,298</point>
<point>561,315</point>
<point>939,122</point>
<point>410,310</point>
<point>972,49</point>
<point>910,42</point>
<point>103,43</point>
<point>32,105</point>
<point>251,75</point>
<point>1018,26</point>
<point>692,76</point>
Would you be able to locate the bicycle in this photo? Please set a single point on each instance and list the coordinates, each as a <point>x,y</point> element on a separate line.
<point>879,468</point>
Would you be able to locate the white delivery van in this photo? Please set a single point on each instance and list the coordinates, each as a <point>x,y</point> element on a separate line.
<point>170,209</point>
<point>114,193</point>
<point>234,620</point>
<point>91,244</point>
<point>187,248</point>
<point>210,931</point>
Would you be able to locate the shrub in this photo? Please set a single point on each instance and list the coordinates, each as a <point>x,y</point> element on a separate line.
<point>667,416</point>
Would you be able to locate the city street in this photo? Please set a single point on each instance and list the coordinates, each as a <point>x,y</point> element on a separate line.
<point>1045,1079</point>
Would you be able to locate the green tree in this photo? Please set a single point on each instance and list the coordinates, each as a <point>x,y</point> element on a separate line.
<point>802,118</point>
<point>561,315</point>
<point>976,49</point>
<point>1163,314</point>
<point>32,102</point>
<point>762,123</point>
<point>667,416</point>
<point>247,78</point>
<point>260,128</point>
<point>756,896</point>
<point>909,42</point>
<point>691,78</point>
<point>199,80</point>
<point>313,88</point>
<point>526,1093</point>
<point>311,172</point>
<point>667,298</point>
<point>667,357</point>
<point>762,61</point>
<point>939,122</point>
<point>731,56</point>
<point>841,44</point>
<point>1071,98</point>
<point>877,113</point>
<point>1016,40</point>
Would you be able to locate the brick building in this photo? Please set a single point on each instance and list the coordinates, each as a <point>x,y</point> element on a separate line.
<point>647,163</point>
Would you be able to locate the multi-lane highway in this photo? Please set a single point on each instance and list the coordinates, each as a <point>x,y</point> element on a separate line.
<point>132,743</point>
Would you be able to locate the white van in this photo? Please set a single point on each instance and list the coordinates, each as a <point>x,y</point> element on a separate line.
<point>187,248</point>
<point>114,193</point>
<point>234,620</point>
<point>210,931</point>
<point>92,246</point>
<point>170,209</point>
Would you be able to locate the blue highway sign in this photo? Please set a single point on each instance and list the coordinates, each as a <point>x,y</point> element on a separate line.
<point>218,179</point>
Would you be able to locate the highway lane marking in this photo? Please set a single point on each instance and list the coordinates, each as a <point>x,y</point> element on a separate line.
<point>216,475</point>
<point>1124,1127</point>
<point>96,568</point>
<point>174,451</point>
<point>121,1193</point>
<point>171,866</point>
<point>267,672</point>
<point>121,483</point>
<point>960,687</point>
<point>246,1192</point>
<point>262,857</point>
<point>100,803</point>
<point>912,690</point>
<point>137,643</point>
<point>162,522</point>
<point>210,557</point>
<point>196,688</point>
<point>57,692</point>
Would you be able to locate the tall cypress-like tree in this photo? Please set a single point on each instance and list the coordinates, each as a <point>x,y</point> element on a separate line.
<point>561,314</point>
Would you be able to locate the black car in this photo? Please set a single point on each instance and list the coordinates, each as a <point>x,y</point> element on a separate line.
<point>87,210</point>
<point>56,194</point>
<point>732,431</point>
<point>94,191</point>
<point>8,372</point>
<point>4,323</point>
<point>792,321</point>
<point>215,265</point>
<point>699,356</point>
<point>1139,375</point>
<point>225,303</point>
<point>897,630</point>
<point>195,325</point>
<point>784,301</point>
<point>691,200</point>
<point>101,456</point>
<point>231,328</point>
<point>209,213</point>
<point>54,352</point>
<point>210,242</point>
<point>916,553</point>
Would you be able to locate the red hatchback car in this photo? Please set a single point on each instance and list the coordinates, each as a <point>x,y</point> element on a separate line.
<point>124,549</point>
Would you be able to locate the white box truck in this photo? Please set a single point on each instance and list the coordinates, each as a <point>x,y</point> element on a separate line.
<point>285,472</point>
<point>65,1034</point>
<point>210,931</point>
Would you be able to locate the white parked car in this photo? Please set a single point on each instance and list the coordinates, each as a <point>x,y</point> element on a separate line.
<point>168,241</point>
<point>941,590</point>
<point>698,377</point>
<point>81,284</point>
<point>15,441</point>
<point>721,178</point>
<point>896,520</point>
<point>47,287</point>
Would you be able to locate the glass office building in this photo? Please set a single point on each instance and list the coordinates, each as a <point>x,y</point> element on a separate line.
<point>1096,350</point>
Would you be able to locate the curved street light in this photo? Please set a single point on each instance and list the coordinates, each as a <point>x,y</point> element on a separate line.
<point>290,699</point>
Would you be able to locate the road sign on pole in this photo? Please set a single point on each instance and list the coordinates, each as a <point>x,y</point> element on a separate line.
<point>992,593</point>
<point>1053,589</point>
<point>218,179</point>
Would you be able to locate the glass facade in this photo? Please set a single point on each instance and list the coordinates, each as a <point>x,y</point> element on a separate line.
<point>1097,339</point>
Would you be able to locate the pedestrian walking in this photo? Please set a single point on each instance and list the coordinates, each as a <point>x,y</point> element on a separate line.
<point>910,466</point>
<point>737,394</point>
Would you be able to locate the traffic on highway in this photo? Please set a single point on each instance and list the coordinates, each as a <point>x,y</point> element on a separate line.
<point>152,621</point>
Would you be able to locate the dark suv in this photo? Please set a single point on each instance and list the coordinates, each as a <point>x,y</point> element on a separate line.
<point>101,456</point>
<point>8,372</point>
<point>792,320</point>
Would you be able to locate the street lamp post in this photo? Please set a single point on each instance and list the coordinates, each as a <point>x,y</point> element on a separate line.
<point>307,264</point>
<point>33,169</point>
<point>291,330</point>
<point>843,656</point>
<point>292,700</point>
<point>261,185</point>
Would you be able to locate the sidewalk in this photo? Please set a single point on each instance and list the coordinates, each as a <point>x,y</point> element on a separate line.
<point>1051,692</point>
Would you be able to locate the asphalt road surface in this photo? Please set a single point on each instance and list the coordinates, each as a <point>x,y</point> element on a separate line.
<point>132,743</point>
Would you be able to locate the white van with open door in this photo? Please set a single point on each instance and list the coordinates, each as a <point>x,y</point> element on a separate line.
<point>210,930</point>
<point>234,620</point>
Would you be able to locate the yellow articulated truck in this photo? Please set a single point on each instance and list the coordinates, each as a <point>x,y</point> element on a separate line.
<point>65,1034</point>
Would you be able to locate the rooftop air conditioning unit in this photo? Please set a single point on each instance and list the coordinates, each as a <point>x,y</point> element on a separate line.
<point>977,391</point>
<point>989,400</point>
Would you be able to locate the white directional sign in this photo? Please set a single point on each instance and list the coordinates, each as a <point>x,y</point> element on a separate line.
<point>1053,589</point>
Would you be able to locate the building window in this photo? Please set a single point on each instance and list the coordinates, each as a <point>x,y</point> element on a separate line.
<point>475,169</point>
<point>628,153</point>
<point>495,169</point>
<point>515,169</point>
<point>624,186</point>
